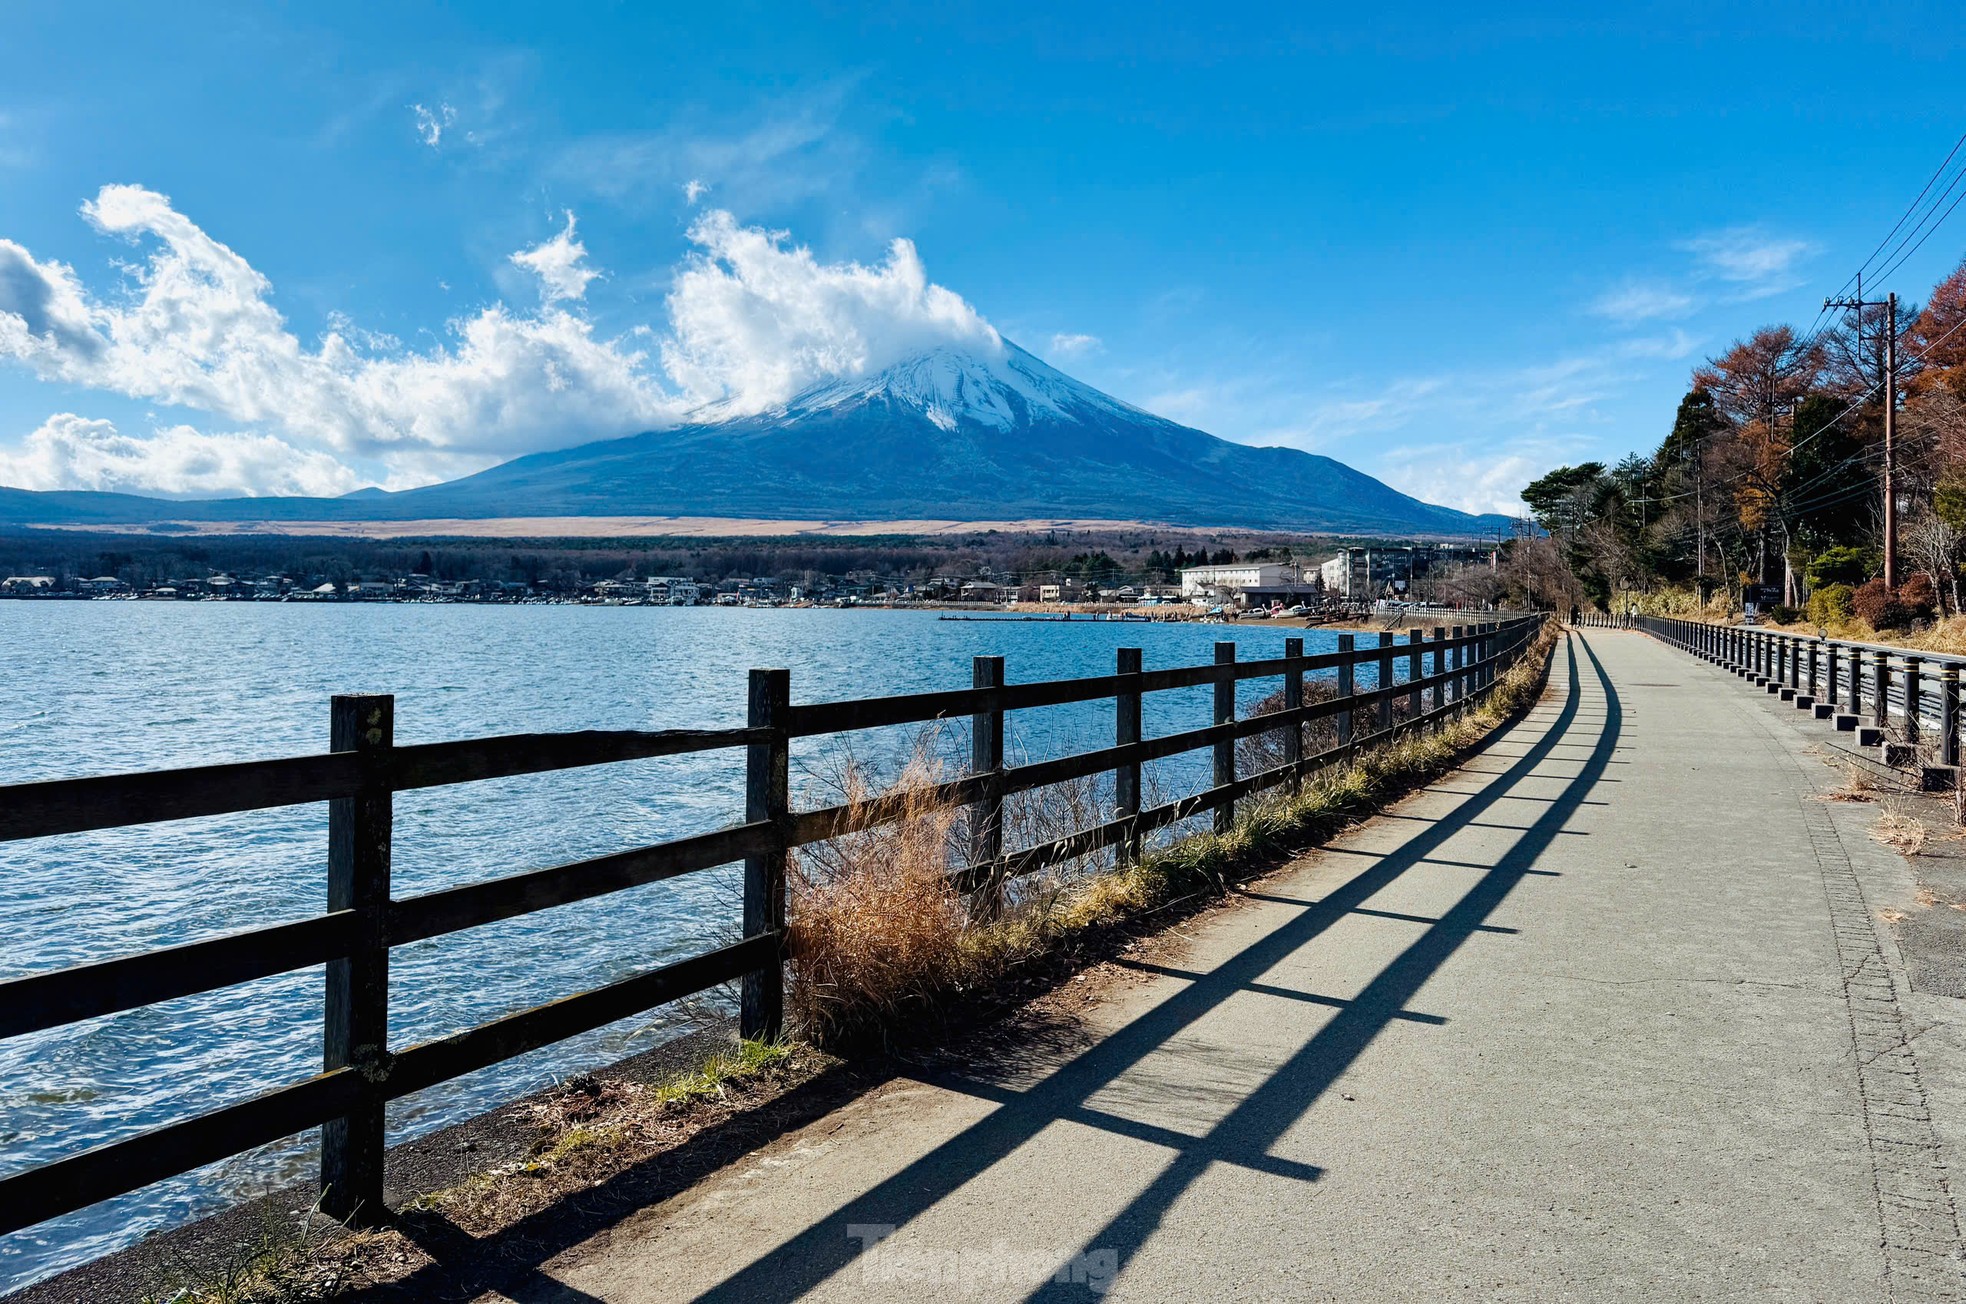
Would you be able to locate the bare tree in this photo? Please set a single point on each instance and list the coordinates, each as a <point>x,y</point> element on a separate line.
<point>1936,545</point>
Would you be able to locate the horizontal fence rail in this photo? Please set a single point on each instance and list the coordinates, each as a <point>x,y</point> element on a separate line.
<point>1902,702</point>
<point>1430,679</point>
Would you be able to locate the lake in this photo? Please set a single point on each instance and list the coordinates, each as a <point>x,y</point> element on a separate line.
<point>101,687</point>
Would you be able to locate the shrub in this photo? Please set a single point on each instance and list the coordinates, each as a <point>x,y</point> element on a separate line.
<point>1879,607</point>
<point>1919,596</point>
<point>1840,565</point>
<point>1830,605</point>
<point>1783,614</point>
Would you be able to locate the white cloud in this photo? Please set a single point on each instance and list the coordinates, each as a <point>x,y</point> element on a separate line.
<point>1067,345</point>
<point>1750,257</point>
<point>198,330</point>
<point>72,452</point>
<point>1448,475</point>
<point>1638,301</point>
<point>431,124</point>
<point>559,265</point>
<point>785,150</point>
<point>753,320</point>
<point>756,319</point>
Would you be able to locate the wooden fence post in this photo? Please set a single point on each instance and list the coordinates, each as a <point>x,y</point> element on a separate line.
<point>1347,685</point>
<point>356,1005</point>
<point>1456,690</point>
<point>1293,699</point>
<point>1385,681</point>
<point>986,757</point>
<point>1414,639</point>
<point>1438,697</point>
<point>1225,713</point>
<point>767,797</point>
<point>1126,729</point>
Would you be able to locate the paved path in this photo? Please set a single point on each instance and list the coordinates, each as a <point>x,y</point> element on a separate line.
<point>1604,1015</point>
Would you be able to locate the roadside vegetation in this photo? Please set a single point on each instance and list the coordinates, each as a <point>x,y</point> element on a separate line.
<point>886,955</point>
<point>884,946</point>
<point>1768,486</point>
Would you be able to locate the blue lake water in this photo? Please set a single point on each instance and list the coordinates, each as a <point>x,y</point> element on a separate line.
<point>101,687</point>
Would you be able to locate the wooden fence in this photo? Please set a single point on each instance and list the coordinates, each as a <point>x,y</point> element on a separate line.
<point>364,768</point>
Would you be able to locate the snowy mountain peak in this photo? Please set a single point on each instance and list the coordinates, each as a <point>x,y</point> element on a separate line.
<point>953,386</point>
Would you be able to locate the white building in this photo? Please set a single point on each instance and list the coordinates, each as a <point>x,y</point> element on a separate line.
<point>1209,581</point>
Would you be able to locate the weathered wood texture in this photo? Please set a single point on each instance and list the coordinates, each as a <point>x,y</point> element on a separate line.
<point>363,921</point>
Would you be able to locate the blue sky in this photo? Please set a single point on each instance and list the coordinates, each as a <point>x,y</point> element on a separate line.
<point>260,248</point>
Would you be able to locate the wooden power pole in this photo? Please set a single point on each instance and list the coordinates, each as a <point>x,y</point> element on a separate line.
<point>1890,305</point>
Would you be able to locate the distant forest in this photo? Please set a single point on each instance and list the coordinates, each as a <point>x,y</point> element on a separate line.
<point>145,560</point>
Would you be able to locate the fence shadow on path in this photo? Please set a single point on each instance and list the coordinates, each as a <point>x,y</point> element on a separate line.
<point>511,1262</point>
<point>1244,1136</point>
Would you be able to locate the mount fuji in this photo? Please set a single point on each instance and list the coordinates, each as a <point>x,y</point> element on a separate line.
<point>949,433</point>
<point>953,433</point>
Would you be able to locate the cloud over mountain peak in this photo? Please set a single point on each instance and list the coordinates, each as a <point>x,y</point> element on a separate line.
<point>752,319</point>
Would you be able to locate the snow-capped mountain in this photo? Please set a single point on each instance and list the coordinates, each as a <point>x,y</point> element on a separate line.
<point>953,386</point>
<point>951,434</point>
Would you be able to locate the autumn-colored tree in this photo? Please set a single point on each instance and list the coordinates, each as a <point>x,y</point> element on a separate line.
<point>1938,334</point>
<point>1762,375</point>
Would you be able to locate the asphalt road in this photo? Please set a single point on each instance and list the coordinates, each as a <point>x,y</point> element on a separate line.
<point>1609,1013</point>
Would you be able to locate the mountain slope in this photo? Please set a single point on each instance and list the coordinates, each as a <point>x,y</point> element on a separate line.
<point>948,434</point>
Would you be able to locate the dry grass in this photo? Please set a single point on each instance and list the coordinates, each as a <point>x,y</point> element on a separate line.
<point>1857,786</point>
<point>876,929</point>
<point>282,1263</point>
<point>880,941</point>
<point>1899,828</point>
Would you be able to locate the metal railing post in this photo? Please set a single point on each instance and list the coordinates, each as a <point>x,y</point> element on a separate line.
<point>1949,714</point>
<point>1881,690</point>
<point>356,1003</point>
<point>986,757</point>
<point>767,798</point>
<point>1831,657</point>
<point>1126,730</point>
<point>1225,713</point>
<point>1912,694</point>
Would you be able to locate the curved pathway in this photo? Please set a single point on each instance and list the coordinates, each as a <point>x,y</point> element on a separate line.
<point>1604,1014</point>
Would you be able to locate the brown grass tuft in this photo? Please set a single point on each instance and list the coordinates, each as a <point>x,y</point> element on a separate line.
<point>876,929</point>
<point>1899,828</point>
<point>1857,786</point>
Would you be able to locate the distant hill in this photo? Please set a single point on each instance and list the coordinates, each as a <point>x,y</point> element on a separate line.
<point>949,434</point>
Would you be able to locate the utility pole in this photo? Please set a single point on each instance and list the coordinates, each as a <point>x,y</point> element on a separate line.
<point>1700,510</point>
<point>1890,440</point>
<point>1890,305</point>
